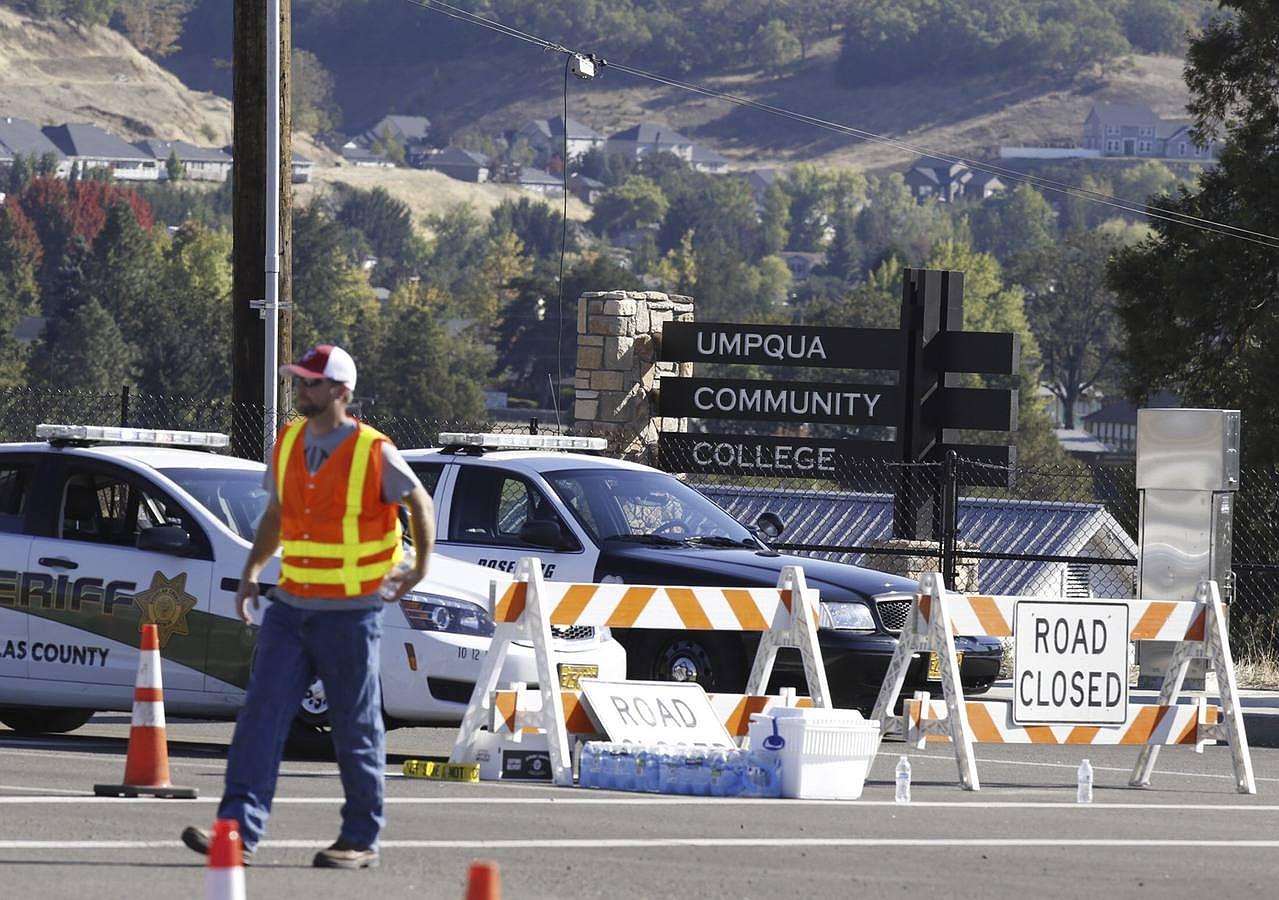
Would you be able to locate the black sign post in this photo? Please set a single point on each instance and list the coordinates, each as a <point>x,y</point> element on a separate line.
<point>921,406</point>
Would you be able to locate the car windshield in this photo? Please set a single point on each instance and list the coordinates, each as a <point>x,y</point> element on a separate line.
<point>646,507</point>
<point>235,497</point>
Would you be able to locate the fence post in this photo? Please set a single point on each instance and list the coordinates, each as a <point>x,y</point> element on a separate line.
<point>949,515</point>
<point>124,406</point>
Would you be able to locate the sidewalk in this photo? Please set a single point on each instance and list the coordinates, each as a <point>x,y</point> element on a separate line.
<point>1260,708</point>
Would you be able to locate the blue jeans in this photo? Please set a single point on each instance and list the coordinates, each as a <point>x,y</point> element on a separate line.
<point>342,647</point>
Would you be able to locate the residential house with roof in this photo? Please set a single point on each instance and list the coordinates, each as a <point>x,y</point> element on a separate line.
<point>540,182</point>
<point>948,181</point>
<point>410,132</point>
<point>704,159</point>
<point>300,168</point>
<point>357,154</point>
<point>548,136</point>
<point>93,147</point>
<point>1086,531</point>
<point>19,137</point>
<point>1133,129</point>
<point>585,188</point>
<point>464,165</point>
<point>198,163</point>
<point>647,138</point>
<point>802,263</point>
<point>1115,423</point>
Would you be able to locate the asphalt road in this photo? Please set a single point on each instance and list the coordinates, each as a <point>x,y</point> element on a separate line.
<point>1021,836</point>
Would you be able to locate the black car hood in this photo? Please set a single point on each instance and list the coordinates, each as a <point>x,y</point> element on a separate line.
<point>694,565</point>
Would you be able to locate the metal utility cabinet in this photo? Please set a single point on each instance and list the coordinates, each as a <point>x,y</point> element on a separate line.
<point>1187,474</point>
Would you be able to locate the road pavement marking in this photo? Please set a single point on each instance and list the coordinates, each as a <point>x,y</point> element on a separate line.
<point>647,843</point>
<point>665,800</point>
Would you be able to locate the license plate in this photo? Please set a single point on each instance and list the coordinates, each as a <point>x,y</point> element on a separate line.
<point>934,665</point>
<point>571,675</point>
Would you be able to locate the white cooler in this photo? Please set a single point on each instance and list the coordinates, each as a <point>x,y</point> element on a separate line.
<point>827,751</point>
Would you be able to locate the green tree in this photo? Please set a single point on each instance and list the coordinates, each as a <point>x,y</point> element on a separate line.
<point>20,253</point>
<point>153,26</point>
<point>1072,312</point>
<point>329,290</point>
<point>1154,26</point>
<point>315,109</point>
<point>173,166</point>
<point>1201,308</point>
<point>1013,224</point>
<point>385,221</point>
<point>775,47</point>
<point>636,201</point>
<point>85,351</point>
<point>122,272</point>
<point>188,351</point>
<point>775,218</point>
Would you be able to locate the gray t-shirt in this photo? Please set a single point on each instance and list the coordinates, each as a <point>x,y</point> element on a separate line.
<point>398,481</point>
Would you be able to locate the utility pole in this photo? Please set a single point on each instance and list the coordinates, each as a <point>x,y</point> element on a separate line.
<point>249,232</point>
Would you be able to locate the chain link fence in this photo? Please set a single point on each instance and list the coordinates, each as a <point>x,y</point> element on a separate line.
<point>1037,531</point>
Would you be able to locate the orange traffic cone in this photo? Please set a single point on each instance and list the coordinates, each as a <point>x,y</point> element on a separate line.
<point>146,767</point>
<point>224,877</point>
<point>483,881</point>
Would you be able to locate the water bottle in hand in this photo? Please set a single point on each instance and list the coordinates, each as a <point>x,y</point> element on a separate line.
<point>902,793</point>
<point>1084,791</point>
<point>386,590</point>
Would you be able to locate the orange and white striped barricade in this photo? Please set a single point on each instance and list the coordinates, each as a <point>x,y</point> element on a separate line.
<point>1197,626</point>
<point>786,615</point>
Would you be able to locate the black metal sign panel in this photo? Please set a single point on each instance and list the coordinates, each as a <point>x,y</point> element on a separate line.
<point>782,345</point>
<point>786,457</point>
<point>780,401</point>
<point>983,352</point>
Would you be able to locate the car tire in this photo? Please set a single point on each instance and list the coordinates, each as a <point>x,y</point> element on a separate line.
<point>40,720</point>
<point>714,661</point>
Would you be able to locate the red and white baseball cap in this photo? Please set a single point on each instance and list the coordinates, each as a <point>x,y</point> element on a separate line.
<point>324,361</point>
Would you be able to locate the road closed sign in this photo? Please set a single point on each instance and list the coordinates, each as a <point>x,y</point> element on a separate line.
<point>669,712</point>
<point>1070,663</point>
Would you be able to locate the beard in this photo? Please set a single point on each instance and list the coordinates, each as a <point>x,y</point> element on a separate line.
<point>309,407</point>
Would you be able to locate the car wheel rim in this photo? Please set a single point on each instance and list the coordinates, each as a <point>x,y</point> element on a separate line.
<point>686,661</point>
<point>315,703</point>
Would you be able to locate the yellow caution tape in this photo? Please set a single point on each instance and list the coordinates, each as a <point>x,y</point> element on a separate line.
<point>442,771</point>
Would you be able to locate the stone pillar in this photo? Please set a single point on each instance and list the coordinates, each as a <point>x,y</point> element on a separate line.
<point>618,335</point>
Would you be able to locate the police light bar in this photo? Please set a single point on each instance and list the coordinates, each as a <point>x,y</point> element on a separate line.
<point>489,441</point>
<point>157,436</point>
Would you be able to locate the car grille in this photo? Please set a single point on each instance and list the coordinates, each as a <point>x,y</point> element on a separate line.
<point>573,632</point>
<point>894,612</point>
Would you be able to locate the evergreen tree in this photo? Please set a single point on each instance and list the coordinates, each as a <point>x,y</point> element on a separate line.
<point>85,351</point>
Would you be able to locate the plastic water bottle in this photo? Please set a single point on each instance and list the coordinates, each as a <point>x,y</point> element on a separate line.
<point>390,583</point>
<point>721,775</point>
<point>588,765</point>
<point>763,774</point>
<point>1083,793</point>
<point>902,792</point>
<point>646,770</point>
<point>696,773</point>
<point>672,770</point>
<point>623,767</point>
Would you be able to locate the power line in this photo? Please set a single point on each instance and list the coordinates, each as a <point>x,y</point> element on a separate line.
<point>1204,224</point>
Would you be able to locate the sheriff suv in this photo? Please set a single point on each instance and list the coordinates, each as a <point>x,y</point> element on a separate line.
<point>500,497</point>
<point>103,530</point>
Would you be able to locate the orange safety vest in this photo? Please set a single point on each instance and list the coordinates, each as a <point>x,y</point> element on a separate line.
<point>339,537</point>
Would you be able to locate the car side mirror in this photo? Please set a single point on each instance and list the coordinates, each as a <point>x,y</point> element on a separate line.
<point>164,539</point>
<point>770,526</point>
<point>543,533</point>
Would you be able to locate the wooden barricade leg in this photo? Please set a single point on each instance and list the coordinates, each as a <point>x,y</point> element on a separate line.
<point>537,619</point>
<point>942,641</point>
<point>799,632</point>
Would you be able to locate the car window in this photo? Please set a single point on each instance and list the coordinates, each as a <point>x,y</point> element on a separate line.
<point>491,506</point>
<point>429,474</point>
<point>15,481</point>
<point>103,508</point>
<point>235,497</point>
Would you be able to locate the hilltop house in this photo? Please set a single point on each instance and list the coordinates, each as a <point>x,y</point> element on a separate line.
<point>548,136</point>
<point>650,137</point>
<point>464,165</point>
<point>357,154</point>
<point>1133,129</point>
<point>198,163</point>
<point>98,148</point>
<point>18,137</point>
<point>410,132</point>
<point>948,181</point>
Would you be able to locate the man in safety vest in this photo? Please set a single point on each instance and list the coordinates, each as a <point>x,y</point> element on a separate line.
<point>336,485</point>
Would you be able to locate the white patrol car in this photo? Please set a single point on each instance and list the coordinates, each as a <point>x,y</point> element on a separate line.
<point>500,497</point>
<point>105,529</point>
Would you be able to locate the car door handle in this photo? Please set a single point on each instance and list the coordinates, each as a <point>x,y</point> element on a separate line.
<point>58,562</point>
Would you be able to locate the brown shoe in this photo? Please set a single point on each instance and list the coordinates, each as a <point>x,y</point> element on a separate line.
<point>343,856</point>
<point>198,840</point>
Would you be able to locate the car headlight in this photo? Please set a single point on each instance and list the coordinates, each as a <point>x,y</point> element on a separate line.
<point>847,616</point>
<point>431,612</point>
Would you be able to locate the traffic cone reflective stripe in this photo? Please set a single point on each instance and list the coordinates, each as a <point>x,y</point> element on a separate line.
<point>224,877</point>
<point>146,765</point>
<point>483,881</point>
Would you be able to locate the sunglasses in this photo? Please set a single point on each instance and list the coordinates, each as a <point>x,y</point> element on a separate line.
<point>312,382</point>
